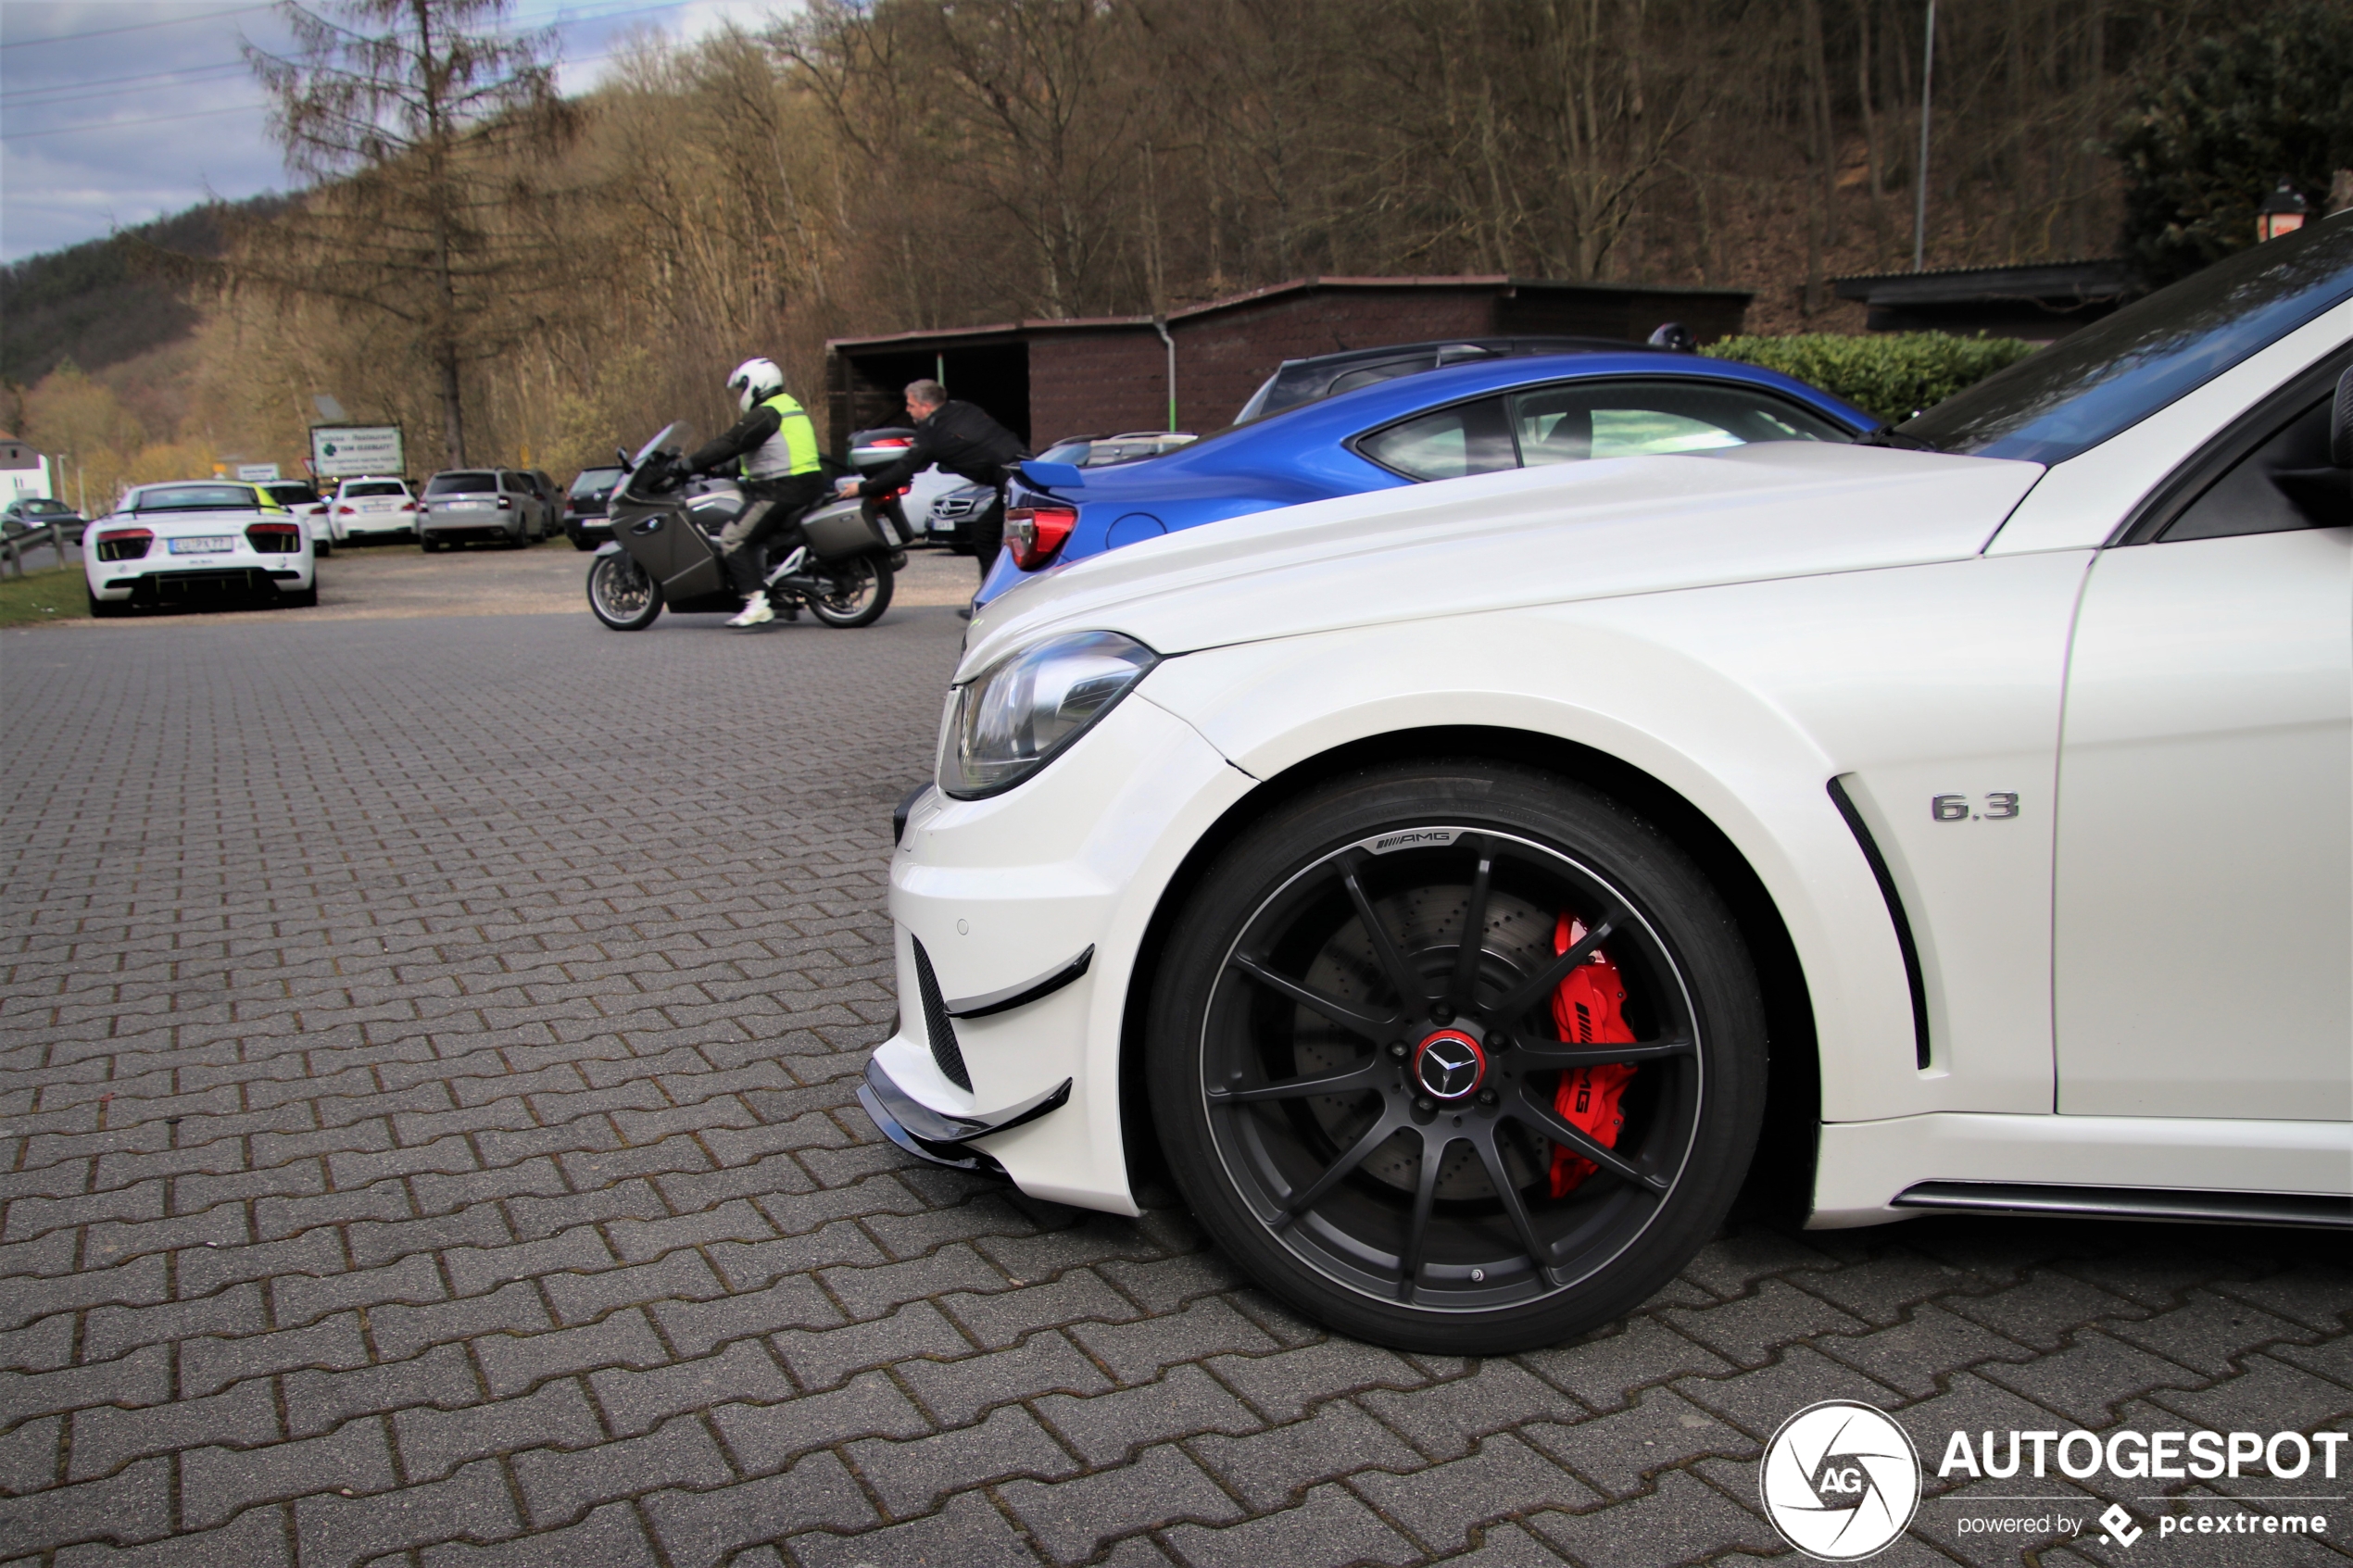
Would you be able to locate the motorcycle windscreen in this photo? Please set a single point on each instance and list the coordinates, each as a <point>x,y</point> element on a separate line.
<point>674,553</point>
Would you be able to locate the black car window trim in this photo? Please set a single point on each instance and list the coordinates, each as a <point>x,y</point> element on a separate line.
<point>2198,472</point>
<point>1764,394</point>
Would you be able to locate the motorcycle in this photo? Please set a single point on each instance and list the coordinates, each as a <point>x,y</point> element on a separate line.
<point>664,552</point>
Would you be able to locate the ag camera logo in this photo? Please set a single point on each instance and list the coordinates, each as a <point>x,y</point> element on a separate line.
<point>1840,1481</point>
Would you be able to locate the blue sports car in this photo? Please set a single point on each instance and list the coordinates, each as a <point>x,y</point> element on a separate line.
<point>1444,423</point>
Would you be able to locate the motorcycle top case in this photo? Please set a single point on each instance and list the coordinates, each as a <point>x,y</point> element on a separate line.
<point>840,532</point>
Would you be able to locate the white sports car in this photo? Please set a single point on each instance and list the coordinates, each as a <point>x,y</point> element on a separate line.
<point>197,541</point>
<point>1455,882</point>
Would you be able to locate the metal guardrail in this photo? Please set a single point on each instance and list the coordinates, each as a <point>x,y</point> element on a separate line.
<point>15,538</point>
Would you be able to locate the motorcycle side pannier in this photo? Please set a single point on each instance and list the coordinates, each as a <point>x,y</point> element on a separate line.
<point>838,533</point>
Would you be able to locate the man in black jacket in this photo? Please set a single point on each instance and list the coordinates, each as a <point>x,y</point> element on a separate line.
<point>961,440</point>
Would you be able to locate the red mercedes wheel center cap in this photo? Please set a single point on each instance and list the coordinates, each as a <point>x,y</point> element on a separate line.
<point>1450,1065</point>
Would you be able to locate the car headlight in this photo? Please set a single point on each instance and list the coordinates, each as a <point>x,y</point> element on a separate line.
<point>1018,714</point>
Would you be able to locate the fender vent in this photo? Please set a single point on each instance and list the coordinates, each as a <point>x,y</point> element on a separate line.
<point>937,1027</point>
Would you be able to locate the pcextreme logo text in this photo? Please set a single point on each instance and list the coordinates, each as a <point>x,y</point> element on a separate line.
<point>1842,1480</point>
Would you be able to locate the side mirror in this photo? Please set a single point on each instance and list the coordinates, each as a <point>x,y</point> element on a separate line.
<point>621,456</point>
<point>2341,423</point>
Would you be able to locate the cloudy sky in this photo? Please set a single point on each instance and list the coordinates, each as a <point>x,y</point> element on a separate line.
<point>116,112</point>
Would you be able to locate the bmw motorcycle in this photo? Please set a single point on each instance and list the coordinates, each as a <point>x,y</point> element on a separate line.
<point>664,551</point>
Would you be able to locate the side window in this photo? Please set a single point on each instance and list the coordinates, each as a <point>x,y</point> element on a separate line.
<point>2286,482</point>
<point>1449,444</point>
<point>1639,419</point>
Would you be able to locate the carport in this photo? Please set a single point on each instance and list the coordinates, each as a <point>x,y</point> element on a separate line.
<point>1045,380</point>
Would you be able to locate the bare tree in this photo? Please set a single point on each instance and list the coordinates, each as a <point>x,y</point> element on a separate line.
<point>421,120</point>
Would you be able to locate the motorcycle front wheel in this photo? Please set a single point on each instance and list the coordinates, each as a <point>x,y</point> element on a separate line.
<point>621,594</point>
<point>861,592</point>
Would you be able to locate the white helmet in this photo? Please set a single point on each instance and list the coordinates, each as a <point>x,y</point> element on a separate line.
<point>753,382</point>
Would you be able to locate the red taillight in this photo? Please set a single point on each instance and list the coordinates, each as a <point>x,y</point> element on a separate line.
<point>1033,534</point>
<point>124,544</point>
<point>346,511</point>
<point>407,506</point>
<point>505,504</point>
<point>894,441</point>
<point>275,538</point>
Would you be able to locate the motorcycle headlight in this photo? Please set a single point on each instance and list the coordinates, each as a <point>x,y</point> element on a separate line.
<point>1019,713</point>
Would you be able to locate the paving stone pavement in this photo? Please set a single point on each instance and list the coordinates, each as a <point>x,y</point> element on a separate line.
<point>426,1136</point>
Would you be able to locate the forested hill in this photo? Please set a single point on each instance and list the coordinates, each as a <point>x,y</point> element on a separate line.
<point>103,302</point>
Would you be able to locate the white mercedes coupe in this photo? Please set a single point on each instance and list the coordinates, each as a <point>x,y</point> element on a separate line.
<point>1449,886</point>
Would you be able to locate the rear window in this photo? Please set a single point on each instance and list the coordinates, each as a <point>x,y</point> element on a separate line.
<point>293,494</point>
<point>595,482</point>
<point>461,485</point>
<point>375,487</point>
<point>44,508</point>
<point>199,499</point>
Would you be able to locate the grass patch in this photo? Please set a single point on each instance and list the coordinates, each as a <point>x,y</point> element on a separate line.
<point>59,593</point>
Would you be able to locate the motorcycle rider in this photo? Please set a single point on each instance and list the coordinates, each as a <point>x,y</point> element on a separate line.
<point>774,445</point>
<point>964,440</point>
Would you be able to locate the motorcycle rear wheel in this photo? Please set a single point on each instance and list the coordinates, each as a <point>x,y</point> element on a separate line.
<point>863,592</point>
<point>621,594</point>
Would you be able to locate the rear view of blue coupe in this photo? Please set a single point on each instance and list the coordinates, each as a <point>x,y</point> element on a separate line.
<point>1446,423</point>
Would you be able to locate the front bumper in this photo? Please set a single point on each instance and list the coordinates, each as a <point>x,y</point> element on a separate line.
<point>1029,909</point>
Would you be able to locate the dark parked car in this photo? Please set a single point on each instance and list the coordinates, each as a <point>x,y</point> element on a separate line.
<point>952,512</point>
<point>1326,375</point>
<point>34,513</point>
<point>585,522</point>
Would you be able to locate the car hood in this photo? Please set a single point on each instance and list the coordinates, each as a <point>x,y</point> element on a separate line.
<point>1578,530</point>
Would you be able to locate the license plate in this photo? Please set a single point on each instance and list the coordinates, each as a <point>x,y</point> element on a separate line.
<point>466,505</point>
<point>203,546</point>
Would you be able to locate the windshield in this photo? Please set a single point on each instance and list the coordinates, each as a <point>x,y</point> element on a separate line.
<point>650,448</point>
<point>198,498</point>
<point>44,508</point>
<point>461,483</point>
<point>381,487</point>
<point>2115,373</point>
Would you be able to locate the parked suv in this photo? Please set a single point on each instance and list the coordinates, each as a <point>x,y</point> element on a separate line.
<point>486,506</point>
<point>585,522</point>
<point>372,508</point>
<point>1329,375</point>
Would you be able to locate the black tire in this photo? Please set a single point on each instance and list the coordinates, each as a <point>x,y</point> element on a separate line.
<point>301,598</point>
<point>580,541</point>
<point>107,609</point>
<point>1483,1253</point>
<point>323,547</point>
<point>865,584</point>
<point>431,546</point>
<point>621,594</point>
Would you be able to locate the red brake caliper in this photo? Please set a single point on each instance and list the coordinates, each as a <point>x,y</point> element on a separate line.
<point>1586,1010</point>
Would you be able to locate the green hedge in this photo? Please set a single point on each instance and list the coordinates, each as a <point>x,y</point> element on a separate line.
<point>1893,374</point>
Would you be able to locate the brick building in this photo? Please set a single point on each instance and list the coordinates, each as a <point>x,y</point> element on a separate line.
<point>1046,380</point>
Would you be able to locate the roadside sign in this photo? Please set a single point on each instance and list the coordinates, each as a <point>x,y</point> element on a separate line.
<point>257,473</point>
<point>347,451</point>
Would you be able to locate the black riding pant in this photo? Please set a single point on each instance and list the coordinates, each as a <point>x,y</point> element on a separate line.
<point>987,533</point>
<point>776,508</point>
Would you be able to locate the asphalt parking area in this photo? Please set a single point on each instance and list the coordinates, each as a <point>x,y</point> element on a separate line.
<point>427,1048</point>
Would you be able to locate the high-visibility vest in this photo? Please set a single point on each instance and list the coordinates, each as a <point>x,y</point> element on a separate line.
<point>792,450</point>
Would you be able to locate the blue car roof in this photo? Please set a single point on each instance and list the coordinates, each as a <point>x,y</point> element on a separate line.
<point>1336,418</point>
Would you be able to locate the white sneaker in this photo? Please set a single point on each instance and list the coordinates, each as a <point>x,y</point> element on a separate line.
<point>757,613</point>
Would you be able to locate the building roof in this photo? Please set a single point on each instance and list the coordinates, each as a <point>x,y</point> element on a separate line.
<point>1497,280</point>
<point>2068,282</point>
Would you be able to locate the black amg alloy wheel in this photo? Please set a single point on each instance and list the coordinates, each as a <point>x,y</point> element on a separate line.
<point>1368,1110</point>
